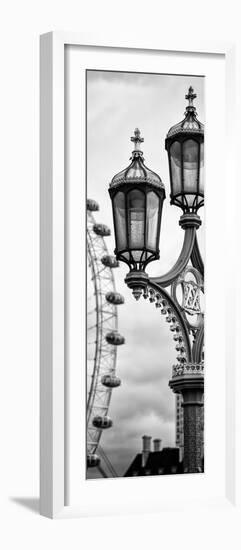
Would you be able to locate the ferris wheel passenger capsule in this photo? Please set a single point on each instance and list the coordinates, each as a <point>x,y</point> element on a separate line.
<point>110,381</point>
<point>109,261</point>
<point>115,338</point>
<point>93,460</point>
<point>101,229</point>
<point>102,422</point>
<point>114,298</point>
<point>92,205</point>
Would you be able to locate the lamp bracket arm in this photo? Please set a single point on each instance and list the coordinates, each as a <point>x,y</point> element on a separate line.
<point>196,257</point>
<point>154,290</point>
<point>179,266</point>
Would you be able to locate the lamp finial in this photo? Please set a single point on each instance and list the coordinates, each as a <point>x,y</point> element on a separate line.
<point>137,139</point>
<point>190,96</point>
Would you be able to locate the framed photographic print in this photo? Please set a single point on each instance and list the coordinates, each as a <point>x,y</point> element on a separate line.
<point>131,141</point>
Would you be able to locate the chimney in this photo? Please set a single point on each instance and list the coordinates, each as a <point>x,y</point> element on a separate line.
<point>146,448</point>
<point>157,445</point>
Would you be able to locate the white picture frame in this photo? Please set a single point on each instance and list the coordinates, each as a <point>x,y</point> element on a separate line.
<point>53,488</point>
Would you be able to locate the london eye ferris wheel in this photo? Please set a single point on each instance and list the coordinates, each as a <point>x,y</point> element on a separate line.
<point>103,339</point>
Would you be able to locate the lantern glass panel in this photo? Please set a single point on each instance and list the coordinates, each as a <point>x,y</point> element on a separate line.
<point>137,255</point>
<point>201,176</point>
<point>136,213</point>
<point>120,220</point>
<point>176,173</point>
<point>190,199</point>
<point>190,165</point>
<point>152,220</point>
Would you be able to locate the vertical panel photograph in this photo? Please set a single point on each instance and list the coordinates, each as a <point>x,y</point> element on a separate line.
<point>145,274</point>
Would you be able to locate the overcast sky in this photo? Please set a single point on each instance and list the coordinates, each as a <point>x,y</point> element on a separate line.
<point>117,103</point>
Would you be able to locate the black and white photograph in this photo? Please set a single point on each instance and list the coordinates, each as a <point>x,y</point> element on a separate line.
<point>145,274</point>
<point>121,287</point>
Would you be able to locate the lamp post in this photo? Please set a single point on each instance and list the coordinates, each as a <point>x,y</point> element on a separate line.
<point>137,195</point>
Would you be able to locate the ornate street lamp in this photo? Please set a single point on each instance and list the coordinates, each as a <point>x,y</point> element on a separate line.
<point>185,146</point>
<point>137,196</point>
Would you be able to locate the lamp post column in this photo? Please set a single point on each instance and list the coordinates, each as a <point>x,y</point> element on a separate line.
<point>188,380</point>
